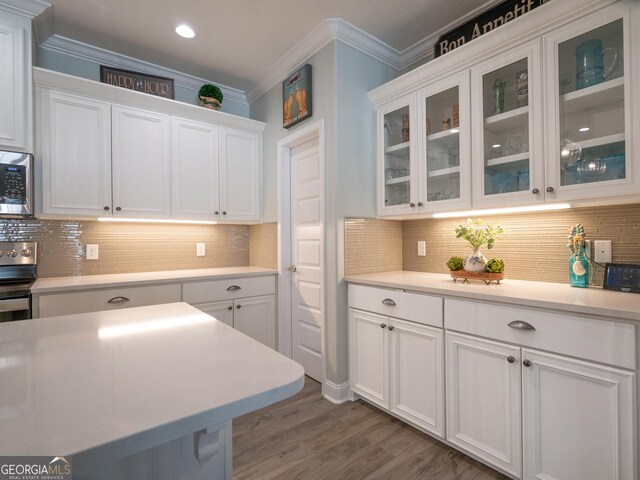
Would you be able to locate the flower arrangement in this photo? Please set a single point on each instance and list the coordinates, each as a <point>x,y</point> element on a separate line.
<point>477,234</point>
<point>576,241</point>
<point>578,263</point>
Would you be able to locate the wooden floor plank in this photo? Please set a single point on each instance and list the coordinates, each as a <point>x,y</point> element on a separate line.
<point>308,438</point>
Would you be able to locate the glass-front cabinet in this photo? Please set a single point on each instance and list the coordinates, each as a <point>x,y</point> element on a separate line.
<point>588,153</point>
<point>444,149</point>
<point>397,172</point>
<point>506,128</point>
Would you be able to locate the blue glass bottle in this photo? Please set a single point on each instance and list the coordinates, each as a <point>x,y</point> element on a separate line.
<point>576,280</point>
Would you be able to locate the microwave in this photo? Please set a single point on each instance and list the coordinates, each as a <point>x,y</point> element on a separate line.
<point>16,185</point>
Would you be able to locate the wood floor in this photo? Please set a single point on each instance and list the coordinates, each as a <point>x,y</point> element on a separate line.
<point>308,438</point>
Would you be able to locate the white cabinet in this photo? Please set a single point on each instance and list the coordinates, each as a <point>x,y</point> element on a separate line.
<point>240,175</point>
<point>483,400</point>
<point>75,148</point>
<point>141,163</point>
<point>15,121</point>
<point>195,167</point>
<point>398,364</point>
<point>247,304</point>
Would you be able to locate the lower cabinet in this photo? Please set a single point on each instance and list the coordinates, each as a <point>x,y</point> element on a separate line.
<point>398,365</point>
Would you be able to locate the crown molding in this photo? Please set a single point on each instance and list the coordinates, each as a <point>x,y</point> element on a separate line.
<point>26,8</point>
<point>83,51</point>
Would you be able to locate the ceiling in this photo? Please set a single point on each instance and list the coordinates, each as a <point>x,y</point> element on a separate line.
<point>237,41</point>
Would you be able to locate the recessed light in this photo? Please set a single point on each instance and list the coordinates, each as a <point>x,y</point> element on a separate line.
<point>583,129</point>
<point>185,31</point>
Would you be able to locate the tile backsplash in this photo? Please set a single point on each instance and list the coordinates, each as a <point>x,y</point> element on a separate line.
<point>263,245</point>
<point>126,248</point>
<point>533,245</point>
<point>373,245</point>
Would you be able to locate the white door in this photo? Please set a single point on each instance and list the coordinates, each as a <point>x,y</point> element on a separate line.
<point>194,152</point>
<point>578,419</point>
<point>13,88</point>
<point>222,311</point>
<point>416,374</point>
<point>307,296</point>
<point>483,400</point>
<point>75,148</point>
<point>239,175</point>
<point>256,317</point>
<point>369,356</point>
<point>141,163</point>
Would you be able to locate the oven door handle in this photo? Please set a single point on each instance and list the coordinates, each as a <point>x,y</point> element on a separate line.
<point>14,304</point>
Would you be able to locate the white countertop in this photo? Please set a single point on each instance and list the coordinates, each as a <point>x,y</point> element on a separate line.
<point>101,386</point>
<point>555,296</point>
<point>84,282</point>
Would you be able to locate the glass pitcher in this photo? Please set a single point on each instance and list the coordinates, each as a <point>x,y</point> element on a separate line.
<point>590,63</point>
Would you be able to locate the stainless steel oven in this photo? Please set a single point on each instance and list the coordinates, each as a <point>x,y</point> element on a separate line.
<point>16,184</point>
<point>17,274</point>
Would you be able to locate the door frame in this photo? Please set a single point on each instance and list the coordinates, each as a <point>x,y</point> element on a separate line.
<point>284,146</point>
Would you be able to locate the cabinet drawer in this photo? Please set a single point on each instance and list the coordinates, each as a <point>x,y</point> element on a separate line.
<point>598,340</point>
<point>215,290</point>
<point>416,307</point>
<point>98,300</point>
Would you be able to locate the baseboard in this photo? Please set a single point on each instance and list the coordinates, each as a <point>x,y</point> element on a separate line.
<point>336,393</point>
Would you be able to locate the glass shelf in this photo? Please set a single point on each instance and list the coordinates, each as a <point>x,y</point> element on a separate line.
<point>508,120</point>
<point>394,181</point>
<point>399,149</point>
<point>444,171</point>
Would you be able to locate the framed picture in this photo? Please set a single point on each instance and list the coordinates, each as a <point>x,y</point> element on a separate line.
<point>140,82</point>
<point>296,97</point>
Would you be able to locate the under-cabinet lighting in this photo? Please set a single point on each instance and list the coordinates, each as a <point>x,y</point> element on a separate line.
<point>185,31</point>
<point>498,211</point>
<point>583,129</point>
<point>155,220</point>
<point>497,145</point>
<point>152,326</point>
<point>454,130</point>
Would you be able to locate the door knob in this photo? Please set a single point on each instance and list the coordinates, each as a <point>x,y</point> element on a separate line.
<point>293,268</point>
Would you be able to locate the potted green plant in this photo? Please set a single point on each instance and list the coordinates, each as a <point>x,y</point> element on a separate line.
<point>210,96</point>
<point>477,234</point>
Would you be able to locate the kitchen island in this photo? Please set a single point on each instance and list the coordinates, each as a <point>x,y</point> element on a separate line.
<point>144,392</point>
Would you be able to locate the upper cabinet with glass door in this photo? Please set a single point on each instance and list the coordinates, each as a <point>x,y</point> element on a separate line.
<point>589,153</point>
<point>444,152</point>
<point>397,172</point>
<point>507,145</point>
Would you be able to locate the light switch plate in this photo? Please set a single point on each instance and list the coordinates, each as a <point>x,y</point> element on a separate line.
<point>92,251</point>
<point>200,250</point>
<point>602,251</point>
<point>422,248</point>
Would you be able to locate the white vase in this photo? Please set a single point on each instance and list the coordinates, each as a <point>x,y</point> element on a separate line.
<point>475,262</point>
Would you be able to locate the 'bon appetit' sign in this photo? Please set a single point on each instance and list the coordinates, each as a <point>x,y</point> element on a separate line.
<point>484,23</point>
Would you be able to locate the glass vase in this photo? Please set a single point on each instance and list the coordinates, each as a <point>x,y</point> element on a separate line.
<point>579,270</point>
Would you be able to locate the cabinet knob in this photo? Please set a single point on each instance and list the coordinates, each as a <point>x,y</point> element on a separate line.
<point>238,307</point>
<point>550,189</point>
<point>412,205</point>
<point>383,325</point>
<point>535,191</point>
<point>118,209</point>
<point>224,213</point>
<point>106,208</point>
<point>511,359</point>
<point>420,204</point>
<point>391,327</point>
<point>229,307</point>
<point>216,212</point>
<point>526,363</point>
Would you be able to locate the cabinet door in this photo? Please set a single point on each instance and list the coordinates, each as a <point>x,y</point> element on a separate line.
<point>445,145</point>
<point>194,147</point>
<point>369,356</point>
<point>75,148</point>
<point>222,311</point>
<point>13,88</point>
<point>578,419</point>
<point>483,400</point>
<point>591,145</point>
<point>256,317</point>
<point>507,107</point>
<point>398,177</point>
<point>141,163</point>
<point>417,374</point>
<point>240,194</point>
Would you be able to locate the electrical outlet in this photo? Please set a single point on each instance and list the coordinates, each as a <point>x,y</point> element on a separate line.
<point>92,251</point>
<point>422,248</point>
<point>200,250</point>
<point>603,251</point>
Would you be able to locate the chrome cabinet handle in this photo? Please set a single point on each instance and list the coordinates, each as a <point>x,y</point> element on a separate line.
<point>535,191</point>
<point>511,359</point>
<point>388,301</point>
<point>118,299</point>
<point>232,288</point>
<point>521,325</point>
<point>383,325</point>
<point>550,189</point>
<point>391,327</point>
<point>526,363</point>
